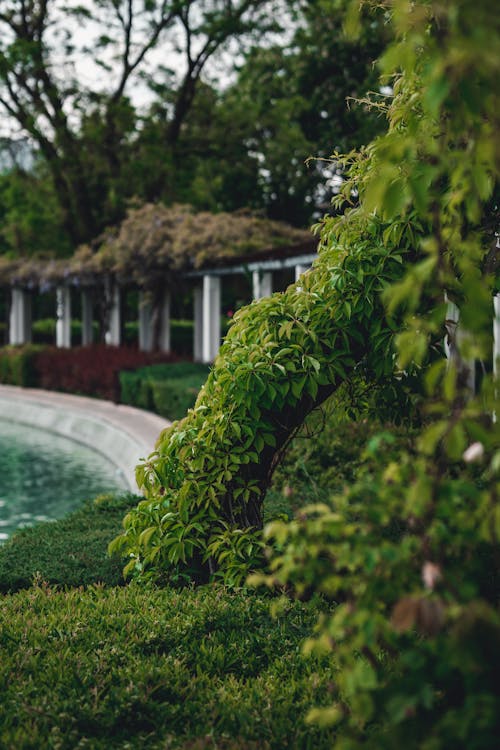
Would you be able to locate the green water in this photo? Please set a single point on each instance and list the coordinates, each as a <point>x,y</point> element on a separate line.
<point>43,476</point>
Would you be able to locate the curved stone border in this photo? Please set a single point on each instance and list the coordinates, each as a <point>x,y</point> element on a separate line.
<point>122,434</point>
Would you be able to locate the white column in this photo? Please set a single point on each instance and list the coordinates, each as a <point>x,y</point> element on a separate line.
<point>20,317</point>
<point>164,341</point>
<point>453,344</point>
<point>299,270</point>
<point>113,334</point>
<point>198,323</point>
<point>211,317</point>
<point>63,322</point>
<point>262,283</point>
<point>87,318</point>
<point>145,323</point>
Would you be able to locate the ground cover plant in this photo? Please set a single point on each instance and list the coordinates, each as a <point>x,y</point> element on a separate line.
<point>139,667</point>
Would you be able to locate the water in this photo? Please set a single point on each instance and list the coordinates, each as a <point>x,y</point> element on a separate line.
<point>44,476</point>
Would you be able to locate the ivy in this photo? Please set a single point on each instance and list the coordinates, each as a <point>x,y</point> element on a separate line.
<point>283,355</point>
<point>408,553</point>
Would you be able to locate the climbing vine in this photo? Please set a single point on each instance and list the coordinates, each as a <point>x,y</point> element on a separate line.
<point>282,357</point>
<point>416,231</point>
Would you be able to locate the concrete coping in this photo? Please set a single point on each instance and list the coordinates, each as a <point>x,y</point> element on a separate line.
<point>122,434</point>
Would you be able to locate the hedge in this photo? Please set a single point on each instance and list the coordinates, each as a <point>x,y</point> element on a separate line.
<point>69,552</point>
<point>137,667</point>
<point>168,389</point>
<point>89,370</point>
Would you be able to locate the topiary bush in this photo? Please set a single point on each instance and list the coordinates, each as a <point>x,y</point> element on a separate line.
<point>282,356</point>
<point>68,552</point>
<point>168,389</point>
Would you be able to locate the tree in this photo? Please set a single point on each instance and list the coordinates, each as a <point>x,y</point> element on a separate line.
<point>302,101</point>
<point>408,555</point>
<point>30,217</point>
<point>83,130</point>
<point>288,103</point>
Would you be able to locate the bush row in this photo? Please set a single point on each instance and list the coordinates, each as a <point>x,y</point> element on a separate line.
<point>90,370</point>
<point>181,333</point>
<point>168,389</point>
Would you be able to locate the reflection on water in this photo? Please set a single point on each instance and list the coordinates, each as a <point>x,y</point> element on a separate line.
<point>43,476</point>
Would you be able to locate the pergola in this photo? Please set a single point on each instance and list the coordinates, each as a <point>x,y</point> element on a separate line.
<point>156,249</point>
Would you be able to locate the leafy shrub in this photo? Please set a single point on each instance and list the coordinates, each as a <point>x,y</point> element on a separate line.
<point>141,667</point>
<point>68,552</point>
<point>90,370</point>
<point>181,337</point>
<point>327,453</point>
<point>410,551</point>
<point>169,390</point>
<point>282,356</point>
<point>172,398</point>
<point>18,365</point>
<point>416,633</point>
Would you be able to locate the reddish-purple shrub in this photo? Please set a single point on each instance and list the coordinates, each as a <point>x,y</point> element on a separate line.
<point>91,370</point>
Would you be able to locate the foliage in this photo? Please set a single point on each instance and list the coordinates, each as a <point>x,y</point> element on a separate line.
<point>169,390</point>
<point>84,126</point>
<point>410,550</point>
<point>327,453</point>
<point>295,101</point>
<point>281,357</point>
<point>68,552</point>
<point>30,217</point>
<point>89,370</point>
<point>155,243</point>
<point>18,365</point>
<point>132,667</point>
<point>416,631</point>
<point>181,335</point>
<point>44,330</point>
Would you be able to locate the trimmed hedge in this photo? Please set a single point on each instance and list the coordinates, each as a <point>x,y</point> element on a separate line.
<point>137,667</point>
<point>181,335</point>
<point>168,389</point>
<point>89,370</point>
<point>68,552</point>
<point>44,330</point>
<point>18,365</point>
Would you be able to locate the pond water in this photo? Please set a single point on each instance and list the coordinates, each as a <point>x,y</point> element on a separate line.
<point>44,476</point>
